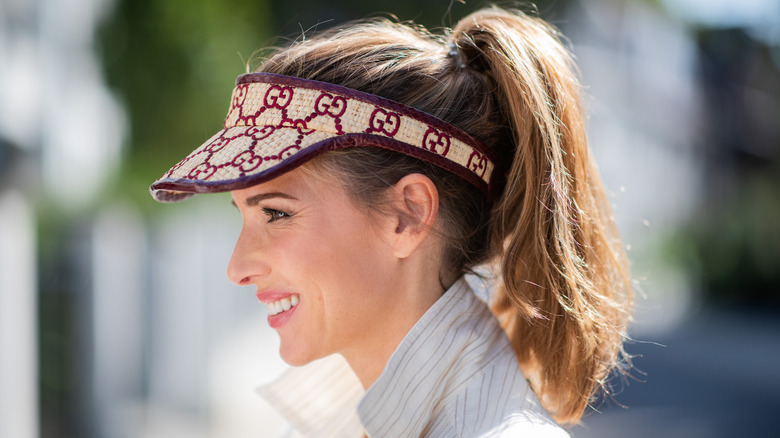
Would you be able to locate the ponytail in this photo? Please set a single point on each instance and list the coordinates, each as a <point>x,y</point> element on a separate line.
<point>565,293</point>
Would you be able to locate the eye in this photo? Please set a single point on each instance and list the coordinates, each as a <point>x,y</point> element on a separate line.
<point>275,215</point>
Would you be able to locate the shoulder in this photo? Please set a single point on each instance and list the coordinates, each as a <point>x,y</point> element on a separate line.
<point>499,403</point>
<point>492,397</point>
<point>513,419</point>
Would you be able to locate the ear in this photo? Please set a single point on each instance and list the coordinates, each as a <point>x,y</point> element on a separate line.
<point>417,205</point>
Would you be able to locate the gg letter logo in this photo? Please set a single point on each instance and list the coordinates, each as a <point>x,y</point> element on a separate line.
<point>384,121</point>
<point>436,141</point>
<point>330,105</point>
<point>477,163</point>
<point>278,97</point>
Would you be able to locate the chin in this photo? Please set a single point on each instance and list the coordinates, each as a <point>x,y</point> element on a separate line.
<point>296,358</point>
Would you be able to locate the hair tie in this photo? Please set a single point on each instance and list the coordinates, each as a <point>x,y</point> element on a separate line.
<point>454,53</point>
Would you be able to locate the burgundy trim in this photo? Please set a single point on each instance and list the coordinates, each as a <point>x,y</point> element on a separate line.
<point>439,124</point>
<point>190,186</point>
<point>172,190</point>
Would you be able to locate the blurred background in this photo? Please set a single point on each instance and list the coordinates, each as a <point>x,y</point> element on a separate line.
<point>116,319</point>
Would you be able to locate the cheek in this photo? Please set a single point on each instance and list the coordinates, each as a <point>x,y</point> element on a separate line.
<point>361,272</point>
<point>347,243</point>
<point>350,268</point>
<point>358,255</point>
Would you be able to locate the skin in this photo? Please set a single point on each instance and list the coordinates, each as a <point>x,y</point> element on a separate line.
<point>363,280</point>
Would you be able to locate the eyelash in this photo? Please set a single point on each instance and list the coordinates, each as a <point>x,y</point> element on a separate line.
<point>275,215</point>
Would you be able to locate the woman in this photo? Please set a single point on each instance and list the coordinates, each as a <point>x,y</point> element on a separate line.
<point>376,164</point>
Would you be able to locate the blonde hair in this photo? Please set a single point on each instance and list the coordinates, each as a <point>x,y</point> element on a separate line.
<point>564,295</point>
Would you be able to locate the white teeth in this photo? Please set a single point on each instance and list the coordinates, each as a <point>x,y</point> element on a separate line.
<point>282,305</point>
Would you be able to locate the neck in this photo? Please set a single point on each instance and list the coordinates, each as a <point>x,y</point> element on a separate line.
<point>410,300</point>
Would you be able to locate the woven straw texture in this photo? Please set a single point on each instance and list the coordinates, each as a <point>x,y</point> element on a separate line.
<point>269,122</point>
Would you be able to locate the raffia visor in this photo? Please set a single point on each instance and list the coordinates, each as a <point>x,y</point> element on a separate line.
<point>276,123</point>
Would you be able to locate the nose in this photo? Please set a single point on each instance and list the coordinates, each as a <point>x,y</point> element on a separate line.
<point>247,264</point>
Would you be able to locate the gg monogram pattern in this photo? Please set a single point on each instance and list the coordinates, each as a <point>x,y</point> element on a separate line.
<point>276,121</point>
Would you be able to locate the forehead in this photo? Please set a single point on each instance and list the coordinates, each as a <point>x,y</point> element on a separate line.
<point>298,184</point>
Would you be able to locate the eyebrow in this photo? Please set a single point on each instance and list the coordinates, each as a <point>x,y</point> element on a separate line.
<point>252,201</point>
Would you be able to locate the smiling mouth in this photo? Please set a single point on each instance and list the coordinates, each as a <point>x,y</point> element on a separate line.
<point>283,305</point>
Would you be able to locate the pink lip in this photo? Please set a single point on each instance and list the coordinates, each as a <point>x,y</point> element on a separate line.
<point>271,296</point>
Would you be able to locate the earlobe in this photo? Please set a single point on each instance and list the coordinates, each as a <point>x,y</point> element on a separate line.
<point>417,200</point>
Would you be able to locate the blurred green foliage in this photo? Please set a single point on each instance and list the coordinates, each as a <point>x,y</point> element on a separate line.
<point>173,63</point>
<point>735,230</point>
<point>738,243</point>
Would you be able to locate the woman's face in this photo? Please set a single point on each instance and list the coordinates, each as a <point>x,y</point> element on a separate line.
<point>321,265</point>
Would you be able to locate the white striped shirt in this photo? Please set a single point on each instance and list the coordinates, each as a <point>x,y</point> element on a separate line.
<point>453,375</point>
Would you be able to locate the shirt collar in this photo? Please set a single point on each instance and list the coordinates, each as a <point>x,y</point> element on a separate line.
<point>325,398</point>
<point>318,399</point>
<point>427,367</point>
